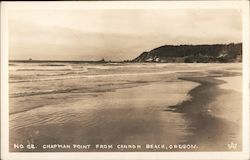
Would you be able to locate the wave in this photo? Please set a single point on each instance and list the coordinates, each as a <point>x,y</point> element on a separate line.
<point>57,74</point>
<point>42,69</point>
<point>116,66</point>
<point>62,90</point>
<point>91,76</point>
<point>51,65</point>
<point>32,93</point>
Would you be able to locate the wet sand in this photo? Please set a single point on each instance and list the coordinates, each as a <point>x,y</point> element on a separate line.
<point>126,116</point>
<point>213,114</point>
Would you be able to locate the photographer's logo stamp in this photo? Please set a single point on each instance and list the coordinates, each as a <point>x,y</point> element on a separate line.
<point>232,146</point>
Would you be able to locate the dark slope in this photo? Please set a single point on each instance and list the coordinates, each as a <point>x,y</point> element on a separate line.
<point>193,53</point>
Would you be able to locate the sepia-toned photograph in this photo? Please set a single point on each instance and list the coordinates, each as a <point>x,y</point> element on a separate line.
<point>98,77</point>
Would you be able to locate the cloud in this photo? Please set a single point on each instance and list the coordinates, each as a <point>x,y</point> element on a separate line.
<point>115,34</point>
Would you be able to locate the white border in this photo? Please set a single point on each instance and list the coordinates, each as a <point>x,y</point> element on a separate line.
<point>5,6</point>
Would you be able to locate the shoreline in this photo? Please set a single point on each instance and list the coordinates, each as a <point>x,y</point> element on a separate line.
<point>208,114</point>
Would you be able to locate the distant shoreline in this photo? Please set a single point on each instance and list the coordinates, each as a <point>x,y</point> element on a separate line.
<point>60,61</point>
<point>99,62</point>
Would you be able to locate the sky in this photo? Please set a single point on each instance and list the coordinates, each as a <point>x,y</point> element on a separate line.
<point>115,34</point>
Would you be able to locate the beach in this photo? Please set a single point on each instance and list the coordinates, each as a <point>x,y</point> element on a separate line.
<point>125,104</point>
<point>213,113</point>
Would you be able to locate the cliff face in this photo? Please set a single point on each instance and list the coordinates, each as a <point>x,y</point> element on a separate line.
<point>193,53</point>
